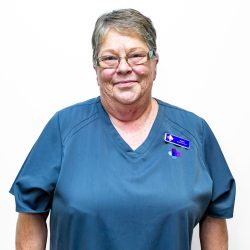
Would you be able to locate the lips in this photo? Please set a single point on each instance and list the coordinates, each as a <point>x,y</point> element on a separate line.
<point>125,82</point>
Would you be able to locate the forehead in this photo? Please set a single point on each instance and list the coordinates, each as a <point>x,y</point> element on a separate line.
<point>115,40</point>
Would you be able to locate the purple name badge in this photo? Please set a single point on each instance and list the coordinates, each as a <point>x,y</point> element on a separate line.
<point>178,141</point>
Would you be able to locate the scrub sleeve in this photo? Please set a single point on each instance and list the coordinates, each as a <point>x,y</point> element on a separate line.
<point>34,186</point>
<point>223,193</point>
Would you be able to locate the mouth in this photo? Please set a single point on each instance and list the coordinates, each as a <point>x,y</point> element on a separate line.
<point>125,83</point>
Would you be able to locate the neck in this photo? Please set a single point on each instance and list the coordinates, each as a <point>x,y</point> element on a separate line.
<point>133,122</point>
<point>128,112</point>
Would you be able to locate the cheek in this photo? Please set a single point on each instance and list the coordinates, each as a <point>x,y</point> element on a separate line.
<point>141,72</point>
<point>105,76</point>
<point>146,75</point>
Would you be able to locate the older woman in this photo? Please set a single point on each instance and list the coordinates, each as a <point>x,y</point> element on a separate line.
<point>124,170</point>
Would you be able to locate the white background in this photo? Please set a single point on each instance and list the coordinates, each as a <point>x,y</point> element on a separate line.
<point>45,65</point>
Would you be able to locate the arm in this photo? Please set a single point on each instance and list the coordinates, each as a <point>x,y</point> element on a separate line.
<point>213,234</point>
<point>31,231</point>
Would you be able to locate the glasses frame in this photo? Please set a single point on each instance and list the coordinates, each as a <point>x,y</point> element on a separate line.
<point>150,55</point>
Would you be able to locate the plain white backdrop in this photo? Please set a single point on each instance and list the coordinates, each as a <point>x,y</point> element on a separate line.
<point>204,67</point>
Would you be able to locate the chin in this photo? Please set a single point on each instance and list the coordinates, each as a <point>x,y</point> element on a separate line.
<point>127,99</point>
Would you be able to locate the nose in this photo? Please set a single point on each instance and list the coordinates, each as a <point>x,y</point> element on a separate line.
<point>123,66</point>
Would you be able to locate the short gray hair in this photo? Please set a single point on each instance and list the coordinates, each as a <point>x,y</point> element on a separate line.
<point>123,20</point>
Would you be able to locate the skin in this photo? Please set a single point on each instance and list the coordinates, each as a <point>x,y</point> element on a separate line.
<point>126,96</point>
<point>31,231</point>
<point>213,234</point>
<point>125,89</point>
<point>126,92</point>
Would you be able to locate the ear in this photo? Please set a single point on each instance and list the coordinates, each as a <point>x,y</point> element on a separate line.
<point>156,60</point>
<point>96,72</point>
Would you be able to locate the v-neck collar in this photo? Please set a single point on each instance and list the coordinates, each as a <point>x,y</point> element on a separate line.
<point>153,135</point>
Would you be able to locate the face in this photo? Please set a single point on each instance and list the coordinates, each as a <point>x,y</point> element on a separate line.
<point>125,84</point>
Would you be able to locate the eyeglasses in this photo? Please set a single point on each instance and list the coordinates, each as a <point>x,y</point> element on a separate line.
<point>133,59</point>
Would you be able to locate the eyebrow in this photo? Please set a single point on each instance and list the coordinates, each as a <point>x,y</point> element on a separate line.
<point>115,52</point>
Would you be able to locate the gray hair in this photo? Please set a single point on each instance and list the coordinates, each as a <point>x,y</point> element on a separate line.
<point>124,21</point>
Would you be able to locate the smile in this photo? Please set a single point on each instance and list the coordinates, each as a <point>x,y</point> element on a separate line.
<point>126,83</point>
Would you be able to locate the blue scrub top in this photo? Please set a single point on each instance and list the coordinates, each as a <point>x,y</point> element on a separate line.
<point>102,195</point>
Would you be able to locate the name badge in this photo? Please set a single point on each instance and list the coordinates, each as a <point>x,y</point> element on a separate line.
<point>178,141</point>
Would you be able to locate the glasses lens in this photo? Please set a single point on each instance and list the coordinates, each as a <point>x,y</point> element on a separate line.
<point>137,58</point>
<point>108,61</point>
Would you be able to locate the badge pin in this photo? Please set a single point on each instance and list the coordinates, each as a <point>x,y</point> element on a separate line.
<point>174,153</point>
<point>178,141</point>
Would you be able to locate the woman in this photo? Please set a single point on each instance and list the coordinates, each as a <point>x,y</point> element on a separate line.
<point>124,170</point>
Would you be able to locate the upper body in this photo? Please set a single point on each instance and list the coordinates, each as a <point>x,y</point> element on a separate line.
<point>103,170</point>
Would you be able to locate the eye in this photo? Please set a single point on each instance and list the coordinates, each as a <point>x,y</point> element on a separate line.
<point>137,55</point>
<point>108,58</point>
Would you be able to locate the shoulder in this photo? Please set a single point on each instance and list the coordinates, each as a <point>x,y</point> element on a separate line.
<point>77,116</point>
<point>82,110</point>
<point>179,115</point>
<point>183,120</point>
